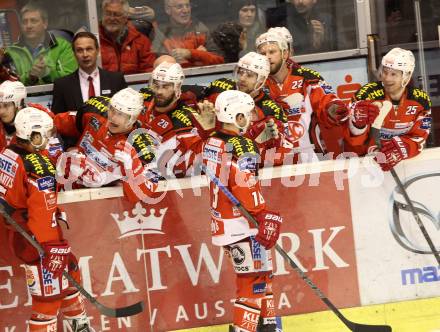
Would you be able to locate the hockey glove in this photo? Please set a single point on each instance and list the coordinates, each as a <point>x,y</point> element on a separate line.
<point>364,112</point>
<point>393,150</point>
<point>337,111</point>
<point>264,131</point>
<point>269,224</point>
<point>56,257</point>
<point>70,166</point>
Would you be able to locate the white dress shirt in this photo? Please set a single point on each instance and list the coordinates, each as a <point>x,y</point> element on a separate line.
<point>84,83</point>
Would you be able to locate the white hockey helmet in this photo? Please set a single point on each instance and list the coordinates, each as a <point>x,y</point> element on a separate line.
<point>255,63</point>
<point>231,103</point>
<point>271,37</point>
<point>169,73</point>
<point>12,92</point>
<point>128,101</point>
<point>285,33</point>
<point>402,60</point>
<point>29,120</point>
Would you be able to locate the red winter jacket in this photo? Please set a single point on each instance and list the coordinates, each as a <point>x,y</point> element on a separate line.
<point>134,56</point>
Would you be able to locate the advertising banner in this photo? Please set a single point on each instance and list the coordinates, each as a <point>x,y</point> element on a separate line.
<point>162,254</point>
<point>394,260</point>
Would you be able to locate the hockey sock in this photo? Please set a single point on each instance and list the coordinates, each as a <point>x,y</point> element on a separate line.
<point>246,314</point>
<point>43,326</point>
<point>72,306</point>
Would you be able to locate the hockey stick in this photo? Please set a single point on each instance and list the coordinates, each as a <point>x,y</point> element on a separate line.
<point>375,132</point>
<point>130,310</point>
<point>355,327</point>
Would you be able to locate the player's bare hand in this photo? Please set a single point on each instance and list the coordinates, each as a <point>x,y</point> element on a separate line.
<point>206,115</point>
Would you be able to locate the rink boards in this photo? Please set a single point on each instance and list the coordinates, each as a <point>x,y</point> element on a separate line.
<point>345,225</point>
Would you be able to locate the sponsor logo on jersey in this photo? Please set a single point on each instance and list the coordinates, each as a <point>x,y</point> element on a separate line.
<point>215,213</point>
<point>8,165</point>
<point>33,280</point>
<point>295,110</point>
<point>30,279</point>
<point>256,249</point>
<point>46,183</point>
<point>182,117</point>
<point>6,180</point>
<point>417,93</point>
<point>240,146</point>
<point>100,103</point>
<point>259,288</point>
<point>402,125</point>
<point>326,87</point>
<point>426,124</point>
<point>386,133</point>
<point>55,148</point>
<point>51,200</point>
<point>36,163</point>
<point>224,85</point>
<point>11,154</point>
<point>144,145</point>
<point>270,104</point>
<point>48,282</point>
<point>248,162</point>
<point>94,122</point>
<point>212,153</point>
<point>236,211</point>
<point>295,131</point>
<point>238,255</point>
<point>93,153</point>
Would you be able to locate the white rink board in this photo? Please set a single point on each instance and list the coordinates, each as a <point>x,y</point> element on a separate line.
<point>380,256</point>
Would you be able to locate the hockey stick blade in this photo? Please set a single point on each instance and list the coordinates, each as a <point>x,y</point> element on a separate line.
<point>130,310</point>
<point>385,108</point>
<point>355,327</point>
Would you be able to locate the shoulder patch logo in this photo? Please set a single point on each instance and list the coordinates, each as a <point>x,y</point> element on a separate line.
<point>46,183</point>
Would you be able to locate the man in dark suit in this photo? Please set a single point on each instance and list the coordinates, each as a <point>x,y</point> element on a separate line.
<point>71,91</point>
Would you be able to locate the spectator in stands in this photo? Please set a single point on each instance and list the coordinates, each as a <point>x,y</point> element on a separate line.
<point>70,92</point>
<point>312,28</point>
<point>186,39</point>
<point>6,73</point>
<point>70,17</point>
<point>230,40</point>
<point>123,48</point>
<point>401,24</point>
<point>249,20</point>
<point>143,19</point>
<point>39,57</point>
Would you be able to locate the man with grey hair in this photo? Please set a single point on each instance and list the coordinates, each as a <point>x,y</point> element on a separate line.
<point>39,57</point>
<point>123,48</point>
<point>185,38</point>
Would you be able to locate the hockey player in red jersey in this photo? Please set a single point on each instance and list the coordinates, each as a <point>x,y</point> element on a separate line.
<point>170,121</point>
<point>309,102</point>
<point>268,119</point>
<point>234,160</point>
<point>111,145</point>
<point>28,193</point>
<point>12,95</point>
<point>406,127</point>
